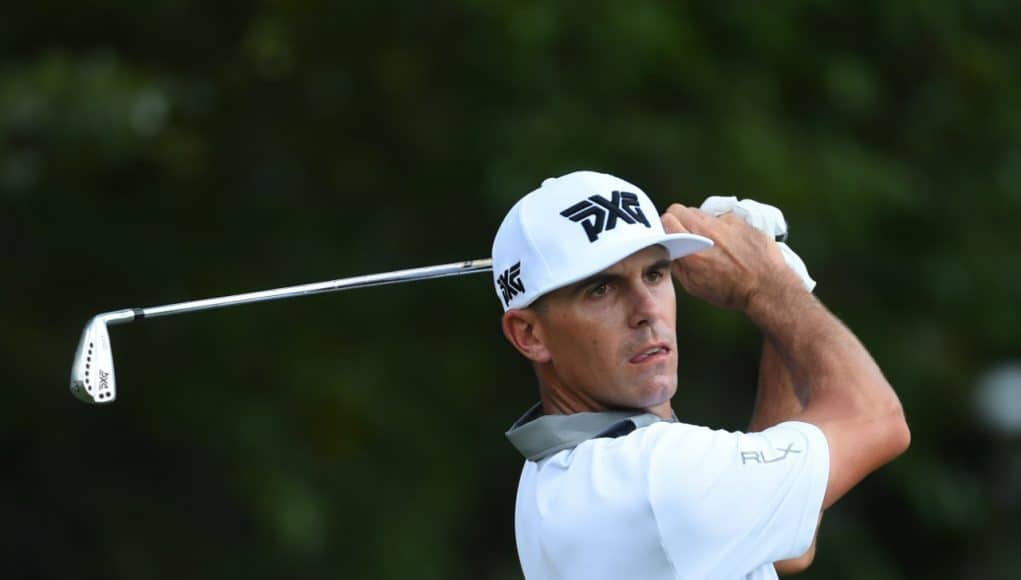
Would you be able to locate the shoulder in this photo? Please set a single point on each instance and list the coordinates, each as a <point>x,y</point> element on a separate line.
<point>726,484</point>
<point>680,440</point>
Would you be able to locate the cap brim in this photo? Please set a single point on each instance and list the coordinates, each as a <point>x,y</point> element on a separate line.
<point>677,246</point>
<point>680,245</point>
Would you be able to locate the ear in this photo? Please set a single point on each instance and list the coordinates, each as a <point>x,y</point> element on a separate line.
<point>523,330</point>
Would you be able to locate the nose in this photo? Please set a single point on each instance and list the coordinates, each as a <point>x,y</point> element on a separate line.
<point>644,306</point>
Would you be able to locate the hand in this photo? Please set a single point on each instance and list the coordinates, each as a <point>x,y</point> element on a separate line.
<point>743,260</point>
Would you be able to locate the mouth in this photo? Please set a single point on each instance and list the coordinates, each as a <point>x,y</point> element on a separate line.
<point>652,353</point>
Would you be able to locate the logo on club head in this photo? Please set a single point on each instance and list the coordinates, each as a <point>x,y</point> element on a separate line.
<point>510,283</point>
<point>598,214</point>
<point>104,380</point>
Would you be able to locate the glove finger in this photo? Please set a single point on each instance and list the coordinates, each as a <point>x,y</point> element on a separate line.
<point>764,217</point>
<point>718,205</point>
<point>795,263</point>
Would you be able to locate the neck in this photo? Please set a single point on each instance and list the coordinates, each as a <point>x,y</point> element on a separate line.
<point>563,402</point>
<point>557,399</point>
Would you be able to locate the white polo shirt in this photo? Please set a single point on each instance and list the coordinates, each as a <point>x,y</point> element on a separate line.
<point>625,495</point>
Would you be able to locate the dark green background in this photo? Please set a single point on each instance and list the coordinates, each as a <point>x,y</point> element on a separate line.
<point>153,152</point>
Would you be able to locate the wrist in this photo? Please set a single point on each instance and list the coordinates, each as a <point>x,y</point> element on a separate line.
<point>776,299</point>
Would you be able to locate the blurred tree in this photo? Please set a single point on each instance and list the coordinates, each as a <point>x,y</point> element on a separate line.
<point>156,152</point>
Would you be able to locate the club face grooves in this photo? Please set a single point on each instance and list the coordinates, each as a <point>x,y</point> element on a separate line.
<point>92,376</point>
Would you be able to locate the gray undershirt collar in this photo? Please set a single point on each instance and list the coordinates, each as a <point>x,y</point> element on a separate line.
<point>537,436</point>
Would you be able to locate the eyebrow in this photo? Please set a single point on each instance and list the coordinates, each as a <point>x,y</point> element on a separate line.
<point>604,277</point>
<point>663,264</point>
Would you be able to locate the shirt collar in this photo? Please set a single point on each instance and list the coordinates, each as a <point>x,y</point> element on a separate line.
<point>537,436</point>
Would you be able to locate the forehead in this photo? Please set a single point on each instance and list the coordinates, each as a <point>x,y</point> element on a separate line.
<point>637,262</point>
<point>641,259</point>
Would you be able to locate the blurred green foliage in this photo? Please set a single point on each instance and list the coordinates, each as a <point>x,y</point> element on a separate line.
<point>161,151</point>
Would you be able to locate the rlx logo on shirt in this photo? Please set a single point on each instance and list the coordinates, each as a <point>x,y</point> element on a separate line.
<point>760,456</point>
<point>598,214</point>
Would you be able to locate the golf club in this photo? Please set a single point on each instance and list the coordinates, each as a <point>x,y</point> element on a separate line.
<point>92,376</point>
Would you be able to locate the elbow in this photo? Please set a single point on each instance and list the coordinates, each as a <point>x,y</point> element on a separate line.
<point>887,428</point>
<point>901,436</point>
<point>795,565</point>
<point>802,562</point>
<point>898,434</point>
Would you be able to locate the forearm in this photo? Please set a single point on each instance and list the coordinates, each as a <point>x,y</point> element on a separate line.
<point>824,358</point>
<point>775,398</point>
<point>776,402</point>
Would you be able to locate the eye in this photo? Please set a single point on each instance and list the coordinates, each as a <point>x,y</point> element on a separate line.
<point>599,289</point>
<point>654,275</point>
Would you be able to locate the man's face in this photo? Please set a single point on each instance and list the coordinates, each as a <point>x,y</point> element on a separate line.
<point>611,338</point>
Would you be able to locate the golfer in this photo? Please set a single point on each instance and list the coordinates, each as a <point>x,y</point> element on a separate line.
<point>614,486</point>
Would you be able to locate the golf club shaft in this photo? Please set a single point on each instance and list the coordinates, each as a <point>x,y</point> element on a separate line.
<point>395,277</point>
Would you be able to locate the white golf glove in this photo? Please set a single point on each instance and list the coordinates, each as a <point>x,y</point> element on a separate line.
<point>765,218</point>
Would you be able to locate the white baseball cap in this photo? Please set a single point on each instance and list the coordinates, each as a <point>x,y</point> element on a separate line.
<point>573,227</point>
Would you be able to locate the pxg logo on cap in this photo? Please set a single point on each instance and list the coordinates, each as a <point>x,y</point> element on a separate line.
<point>605,212</point>
<point>572,227</point>
<point>510,283</point>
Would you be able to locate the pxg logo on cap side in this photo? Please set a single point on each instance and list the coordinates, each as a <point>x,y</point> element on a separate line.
<point>510,283</point>
<point>598,214</point>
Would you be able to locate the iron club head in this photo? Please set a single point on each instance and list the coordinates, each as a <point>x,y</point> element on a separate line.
<point>92,377</point>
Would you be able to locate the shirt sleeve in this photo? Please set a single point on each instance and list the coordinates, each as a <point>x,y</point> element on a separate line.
<point>726,503</point>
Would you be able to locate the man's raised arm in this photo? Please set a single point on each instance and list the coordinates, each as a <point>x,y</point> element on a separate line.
<point>844,392</point>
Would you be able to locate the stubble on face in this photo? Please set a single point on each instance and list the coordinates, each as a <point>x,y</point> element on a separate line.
<point>612,339</point>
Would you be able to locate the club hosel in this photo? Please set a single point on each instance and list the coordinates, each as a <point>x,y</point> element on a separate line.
<point>121,316</point>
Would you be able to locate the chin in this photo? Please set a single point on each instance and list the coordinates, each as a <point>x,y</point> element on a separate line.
<point>657,393</point>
